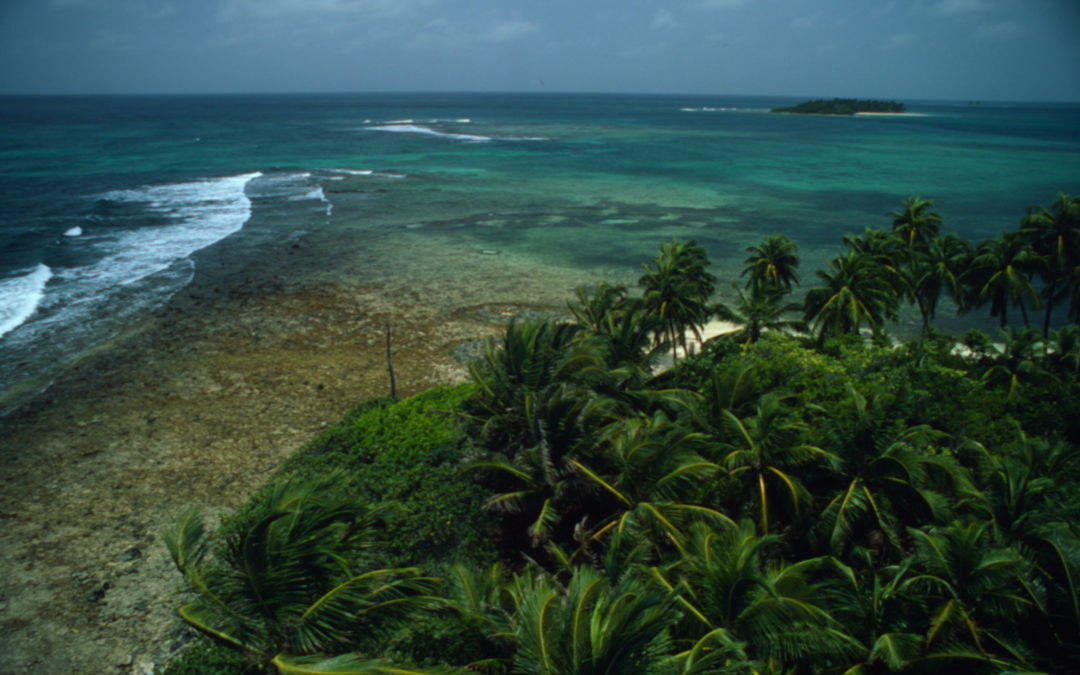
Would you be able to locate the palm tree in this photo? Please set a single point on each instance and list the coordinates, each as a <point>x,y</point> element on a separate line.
<point>591,626</point>
<point>761,310</point>
<point>773,263</point>
<point>875,604</point>
<point>763,451</point>
<point>888,253</point>
<point>1019,362</point>
<point>593,311</point>
<point>286,587</point>
<point>1064,349</point>
<point>999,274</point>
<point>916,224</point>
<point>856,291</point>
<point>729,590</point>
<point>940,267</point>
<point>1054,234</point>
<point>885,482</point>
<point>652,475</point>
<point>534,481</point>
<point>621,329</point>
<point>532,356</point>
<point>978,593</point>
<point>678,291</point>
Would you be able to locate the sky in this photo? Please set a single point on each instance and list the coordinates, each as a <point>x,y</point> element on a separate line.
<point>990,50</point>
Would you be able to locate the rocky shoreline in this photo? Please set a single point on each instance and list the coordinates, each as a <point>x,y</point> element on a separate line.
<point>199,406</point>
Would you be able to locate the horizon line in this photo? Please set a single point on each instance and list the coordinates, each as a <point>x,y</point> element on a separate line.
<point>508,92</point>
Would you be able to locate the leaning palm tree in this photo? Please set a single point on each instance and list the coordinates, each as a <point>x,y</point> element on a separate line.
<point>678,291</point>
<point>1054,234</point>
<point>774,262</point>
<point>288,588</point>
<point>856,292</point>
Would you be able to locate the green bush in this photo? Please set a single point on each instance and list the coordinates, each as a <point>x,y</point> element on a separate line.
<point>205,657</point>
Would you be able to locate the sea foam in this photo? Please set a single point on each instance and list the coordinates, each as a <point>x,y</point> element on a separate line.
<point>471,138</point>
<point>20,297</point>
<point>315,194</point>
<point>417,129</point>
<point>196,214</point>
<point>363,172</point>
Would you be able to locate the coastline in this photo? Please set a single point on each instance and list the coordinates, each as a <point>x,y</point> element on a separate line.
<point>199,406</point>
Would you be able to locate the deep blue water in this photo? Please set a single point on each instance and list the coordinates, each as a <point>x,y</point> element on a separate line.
<point>106,199</point>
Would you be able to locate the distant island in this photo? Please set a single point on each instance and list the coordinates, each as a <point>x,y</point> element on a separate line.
<point>843,106</point>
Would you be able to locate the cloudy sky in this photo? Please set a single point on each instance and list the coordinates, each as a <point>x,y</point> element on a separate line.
<point>906,49</point>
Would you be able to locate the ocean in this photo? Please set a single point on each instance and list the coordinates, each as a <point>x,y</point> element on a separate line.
<point>110,204</point>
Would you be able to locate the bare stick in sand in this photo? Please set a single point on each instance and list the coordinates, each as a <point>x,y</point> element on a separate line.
<point>390,364</point>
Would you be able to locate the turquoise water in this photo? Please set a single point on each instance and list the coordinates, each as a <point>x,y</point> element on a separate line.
<point>110,202</point>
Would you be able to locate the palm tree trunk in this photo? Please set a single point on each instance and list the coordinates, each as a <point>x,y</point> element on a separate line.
<point>925,314</point>
<point>1023,310</point>
<point>1049,308</point>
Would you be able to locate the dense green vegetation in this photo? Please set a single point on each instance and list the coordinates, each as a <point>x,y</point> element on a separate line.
<point>774,502</point>
<point>842,106</point>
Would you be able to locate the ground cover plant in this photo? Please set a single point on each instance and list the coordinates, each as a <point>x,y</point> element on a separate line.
<point>776,501</point>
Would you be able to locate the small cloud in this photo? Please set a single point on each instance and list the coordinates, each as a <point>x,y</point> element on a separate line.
<point>1006,30</point>
<point>901,40</point>
<point>664,20</point>
<point>508,31</point>
<point>961,6</point>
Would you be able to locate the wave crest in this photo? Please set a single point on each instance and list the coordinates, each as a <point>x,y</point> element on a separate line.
<point>20,297</point>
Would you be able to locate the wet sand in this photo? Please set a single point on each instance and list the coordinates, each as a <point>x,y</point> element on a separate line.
<point>199,405</point>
